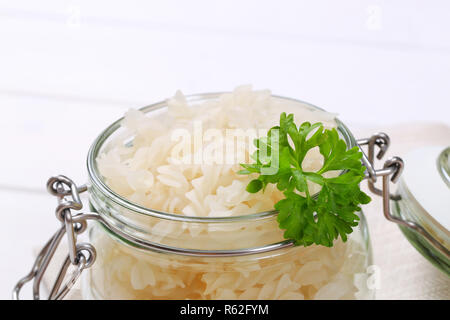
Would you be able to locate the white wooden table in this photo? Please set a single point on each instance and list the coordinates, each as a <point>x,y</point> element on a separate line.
<point>69,68</point>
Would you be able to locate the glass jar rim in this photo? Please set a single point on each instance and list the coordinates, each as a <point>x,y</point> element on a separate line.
<point>98,182</point>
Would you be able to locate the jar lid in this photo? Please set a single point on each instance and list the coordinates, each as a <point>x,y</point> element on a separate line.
<point>426,180</point>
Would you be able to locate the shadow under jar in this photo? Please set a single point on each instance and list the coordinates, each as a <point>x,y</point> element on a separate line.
<point>149,254</point>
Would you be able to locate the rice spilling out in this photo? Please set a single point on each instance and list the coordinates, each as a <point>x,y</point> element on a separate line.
<point>184,161</point>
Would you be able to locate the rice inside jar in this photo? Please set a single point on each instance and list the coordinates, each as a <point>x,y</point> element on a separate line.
<point>165,179</point>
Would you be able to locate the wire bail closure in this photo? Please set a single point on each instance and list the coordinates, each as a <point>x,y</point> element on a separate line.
<point>82,255</point>
<point>391,171</point>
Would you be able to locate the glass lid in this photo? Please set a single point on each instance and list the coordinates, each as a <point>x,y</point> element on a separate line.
<point>426,180</point>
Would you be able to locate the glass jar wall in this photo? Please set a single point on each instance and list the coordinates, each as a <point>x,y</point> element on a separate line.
<point>148,254</point>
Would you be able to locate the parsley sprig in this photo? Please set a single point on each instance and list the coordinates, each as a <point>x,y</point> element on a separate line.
<point>307,218</point>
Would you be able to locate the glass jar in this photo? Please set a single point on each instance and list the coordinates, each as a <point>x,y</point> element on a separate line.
<point>423,199</point>
<point>147,254</point>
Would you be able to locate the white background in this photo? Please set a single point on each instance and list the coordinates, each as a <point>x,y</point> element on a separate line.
<point>69,68</point>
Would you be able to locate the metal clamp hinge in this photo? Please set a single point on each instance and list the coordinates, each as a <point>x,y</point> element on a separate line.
<point>390,172</point>
<point>81,255</point>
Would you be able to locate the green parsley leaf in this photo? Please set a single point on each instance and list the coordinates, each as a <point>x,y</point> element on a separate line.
<point>309,219</point>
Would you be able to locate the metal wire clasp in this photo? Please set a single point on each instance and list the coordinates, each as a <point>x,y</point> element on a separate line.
<point>81,255</point>
<point>390,172</point>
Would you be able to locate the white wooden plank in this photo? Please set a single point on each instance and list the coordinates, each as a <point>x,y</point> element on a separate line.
<point>412,24</point>
<point>136,67</point>
<point>118,59</point>
<point>45,137</point>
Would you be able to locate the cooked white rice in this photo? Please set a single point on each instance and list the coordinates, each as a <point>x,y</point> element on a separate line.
<point>153,171</point>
